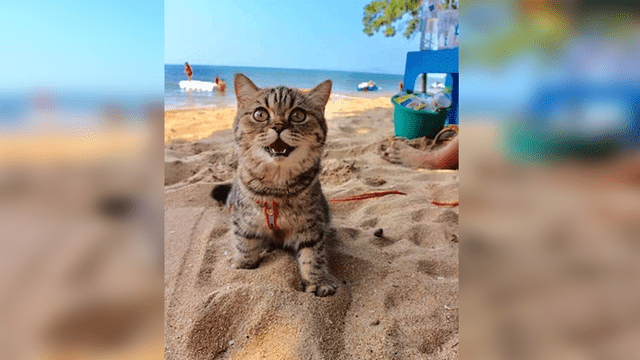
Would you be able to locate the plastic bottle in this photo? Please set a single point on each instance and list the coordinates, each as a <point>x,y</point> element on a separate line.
<point>430,104</point>
<point>429,25</point>
<point>447,29</point>
<point>442,100</point>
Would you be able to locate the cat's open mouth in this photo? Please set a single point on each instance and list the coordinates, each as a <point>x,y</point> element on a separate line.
<point>279,148</point>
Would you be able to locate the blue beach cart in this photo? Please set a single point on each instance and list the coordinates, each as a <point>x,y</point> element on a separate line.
<point>441,61</point>
<point>410,123</point>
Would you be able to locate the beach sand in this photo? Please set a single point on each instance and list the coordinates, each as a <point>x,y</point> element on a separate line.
<point>398,294</point>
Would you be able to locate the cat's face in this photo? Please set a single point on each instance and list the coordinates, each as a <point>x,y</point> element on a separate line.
<point>280,129</point>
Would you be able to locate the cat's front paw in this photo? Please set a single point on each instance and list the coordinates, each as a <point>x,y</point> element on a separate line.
<point>322,288</point>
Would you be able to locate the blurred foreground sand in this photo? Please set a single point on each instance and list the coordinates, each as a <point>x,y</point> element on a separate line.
<point>548,255</point>
<point>81,241</point>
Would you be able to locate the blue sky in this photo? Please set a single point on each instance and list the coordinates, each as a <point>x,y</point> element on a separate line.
<point>91,46</point>
<point>121,46</point>
<point>280,33</point>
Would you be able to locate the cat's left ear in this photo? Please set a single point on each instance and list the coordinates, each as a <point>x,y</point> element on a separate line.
<point>320,94</point>
<point>245,88</point>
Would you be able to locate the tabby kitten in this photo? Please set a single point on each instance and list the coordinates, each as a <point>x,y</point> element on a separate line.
<point>276,198</point>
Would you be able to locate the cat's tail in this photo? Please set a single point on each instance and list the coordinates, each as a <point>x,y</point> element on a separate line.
<point>221,192</point>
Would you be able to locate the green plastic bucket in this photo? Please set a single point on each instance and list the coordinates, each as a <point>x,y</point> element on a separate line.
<point>412,124</point>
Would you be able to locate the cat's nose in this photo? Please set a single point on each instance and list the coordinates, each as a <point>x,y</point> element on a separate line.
<point>278,128</point>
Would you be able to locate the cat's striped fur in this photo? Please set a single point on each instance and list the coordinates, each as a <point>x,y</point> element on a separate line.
<point>280,134</point>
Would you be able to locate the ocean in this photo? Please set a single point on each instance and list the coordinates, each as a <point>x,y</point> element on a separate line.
<point>344,83</point>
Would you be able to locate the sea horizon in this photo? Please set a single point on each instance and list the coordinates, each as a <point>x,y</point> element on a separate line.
<point>277,68</point>
<point>344,83</point>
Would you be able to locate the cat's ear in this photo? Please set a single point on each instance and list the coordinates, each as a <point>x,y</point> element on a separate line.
<point>245,88</point>
<point>320,94</point>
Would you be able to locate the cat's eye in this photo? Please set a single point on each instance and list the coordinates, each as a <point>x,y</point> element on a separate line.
<point>297,115</point>
<point>260,115</point>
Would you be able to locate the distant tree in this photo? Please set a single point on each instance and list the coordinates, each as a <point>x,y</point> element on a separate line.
<point>389,14</point>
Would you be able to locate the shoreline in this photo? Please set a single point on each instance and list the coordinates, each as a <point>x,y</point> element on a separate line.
<point>227,104</point>
<point>192,124</point>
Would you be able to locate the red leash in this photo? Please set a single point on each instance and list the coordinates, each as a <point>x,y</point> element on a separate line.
<point>369,195</point>
<point>271,215</point>
<point>446,203</point>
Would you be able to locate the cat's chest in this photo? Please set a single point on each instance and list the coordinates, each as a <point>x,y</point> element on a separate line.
<point>277,215</point>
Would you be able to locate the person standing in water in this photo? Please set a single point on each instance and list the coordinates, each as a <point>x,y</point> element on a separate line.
<point>187,70</point>
<point>222,86</point>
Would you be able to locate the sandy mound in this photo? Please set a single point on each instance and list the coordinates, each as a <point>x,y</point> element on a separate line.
<point>398,294</point>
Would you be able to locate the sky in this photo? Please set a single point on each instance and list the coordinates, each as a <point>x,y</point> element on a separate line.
<point>121,46</point>
<point>82,46</point>
<point>324,35</point>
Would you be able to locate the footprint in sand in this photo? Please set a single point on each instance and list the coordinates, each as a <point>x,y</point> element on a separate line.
<point>199,147</point>
<point>346,233</point>
<point>436,268</point>
<point>418,215</point>
<point>447,216</point>
<point>381,241</point>
<point>176,171</point>
<point>390,300</point>
<point>211,254</point>
<point>417,234</point>
<point>435,341</point>
<point>347,129</point>
<point>369,223</point>
<point>374,181</point>
<point>336,172</point>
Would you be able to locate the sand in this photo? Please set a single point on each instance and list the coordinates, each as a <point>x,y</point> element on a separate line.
<point>201,123</point>
<point>398,294</point>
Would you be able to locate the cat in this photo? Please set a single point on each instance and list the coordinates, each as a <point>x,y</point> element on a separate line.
<point>276,198</point>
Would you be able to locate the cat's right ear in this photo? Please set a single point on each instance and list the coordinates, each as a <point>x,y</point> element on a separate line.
<point>245,88</point>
